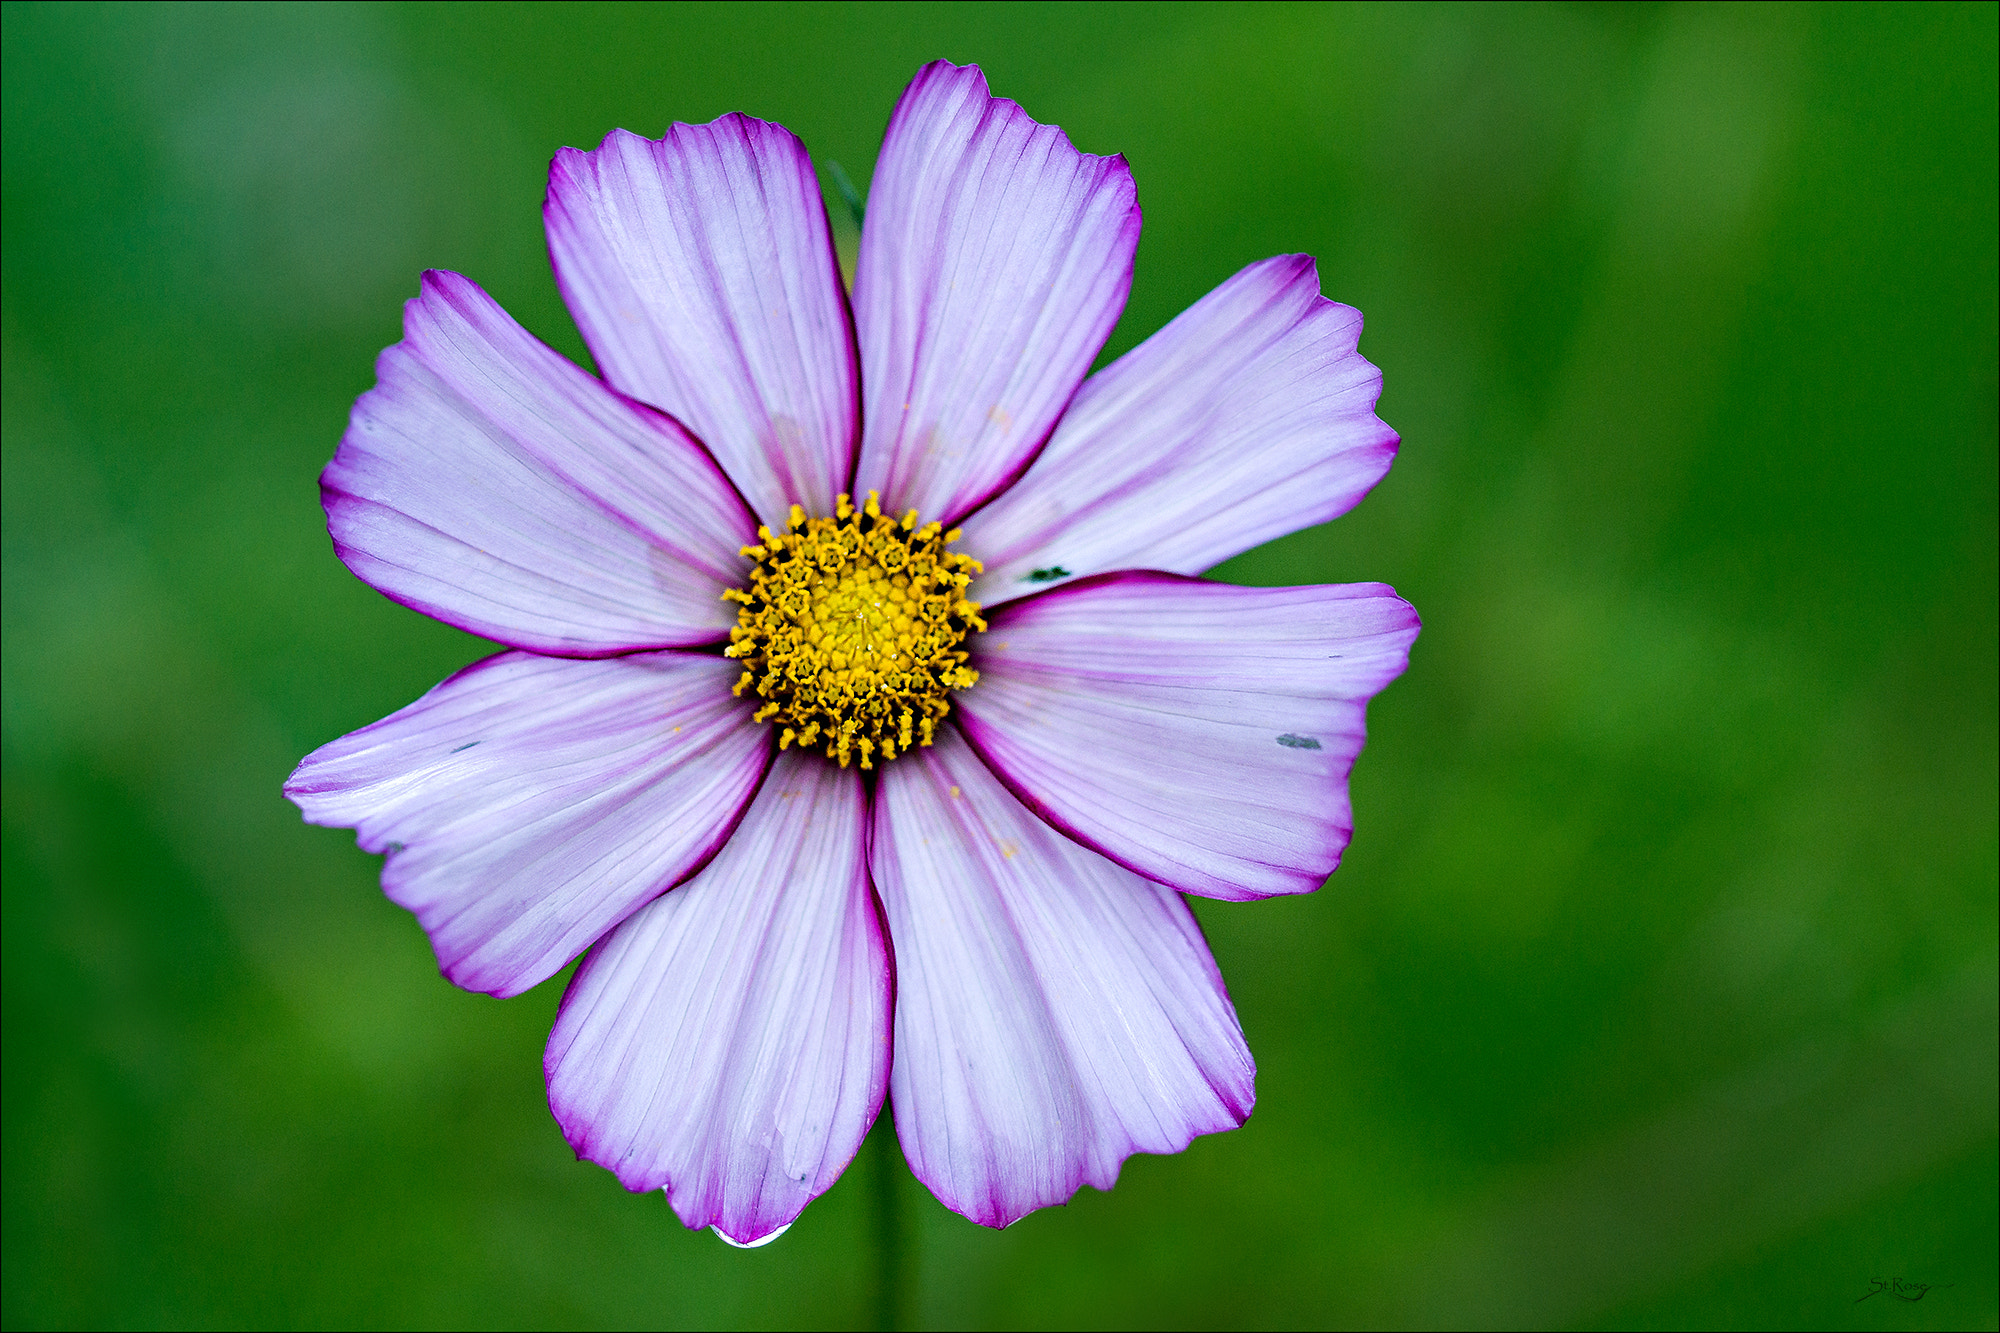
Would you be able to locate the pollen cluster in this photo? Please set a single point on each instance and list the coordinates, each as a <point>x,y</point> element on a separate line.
<point>851,630</point>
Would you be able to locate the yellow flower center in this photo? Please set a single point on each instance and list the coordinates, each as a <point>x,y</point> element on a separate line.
<point>851,630</point>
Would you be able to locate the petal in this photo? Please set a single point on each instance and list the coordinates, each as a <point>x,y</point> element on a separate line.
<point>1250,416</point>
<point>1198,733</point>
<point>701,271</point>
<point>730,1042</point>
<point>994,262</point>
<point>488,482</point>
<point>1055,1013</point>
<point>529,804</point>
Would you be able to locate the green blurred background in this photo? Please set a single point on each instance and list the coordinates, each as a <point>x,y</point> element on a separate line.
<point>1658,987</point>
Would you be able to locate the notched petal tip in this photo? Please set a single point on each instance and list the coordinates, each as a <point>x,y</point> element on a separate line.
<point>528,804</point>
<point>1251,415</point>
<point>995,260</point>
<point>488,482</point>
<point>774,948</point>
<point>1196,733</point>
<point>971,76</point>
<point>700,269</point>
<point>1055,1012</point>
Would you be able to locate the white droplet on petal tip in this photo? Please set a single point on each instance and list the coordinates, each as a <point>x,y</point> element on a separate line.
<point>734,1243</point>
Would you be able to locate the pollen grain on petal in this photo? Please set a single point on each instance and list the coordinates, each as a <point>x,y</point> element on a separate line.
<point>852,629</point>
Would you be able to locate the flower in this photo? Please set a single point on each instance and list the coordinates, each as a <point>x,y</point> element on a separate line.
<point>840,803</point>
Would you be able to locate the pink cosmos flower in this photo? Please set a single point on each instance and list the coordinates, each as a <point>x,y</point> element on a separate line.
<point>840,804</point>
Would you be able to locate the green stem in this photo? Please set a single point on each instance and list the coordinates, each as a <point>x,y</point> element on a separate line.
<point>887,1170</point>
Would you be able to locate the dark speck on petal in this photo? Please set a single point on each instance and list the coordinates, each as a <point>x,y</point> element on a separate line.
<point>467,746</point>
<point>1049,575</point>
<point>1291,742</point>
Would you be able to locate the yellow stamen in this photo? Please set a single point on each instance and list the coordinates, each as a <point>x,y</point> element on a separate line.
<point>852,630</point>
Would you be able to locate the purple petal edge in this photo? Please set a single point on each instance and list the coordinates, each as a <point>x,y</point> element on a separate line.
<point>1055,1013</point>
<point>1250,415</point>
<point>528,804</point>
<point>729,1042</point>
<point>1199,734</point>
<point>491,484</point>
<point>701,270</point>
<point>994,263</point>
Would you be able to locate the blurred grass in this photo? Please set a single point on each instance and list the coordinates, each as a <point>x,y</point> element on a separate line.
<point>1658,986</point>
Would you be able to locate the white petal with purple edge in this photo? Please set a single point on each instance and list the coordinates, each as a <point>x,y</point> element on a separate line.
<point>529,804</point>
<point>1055,1012</point>
<point>1198,733</point>
<point>1250,416</point>
<point>488,482</point>
<point>702,274</point>
<point>994,262</point>
<point>730,1042</point>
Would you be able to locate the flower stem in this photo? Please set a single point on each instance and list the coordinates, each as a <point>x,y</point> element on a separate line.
<point>887,1172</point>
